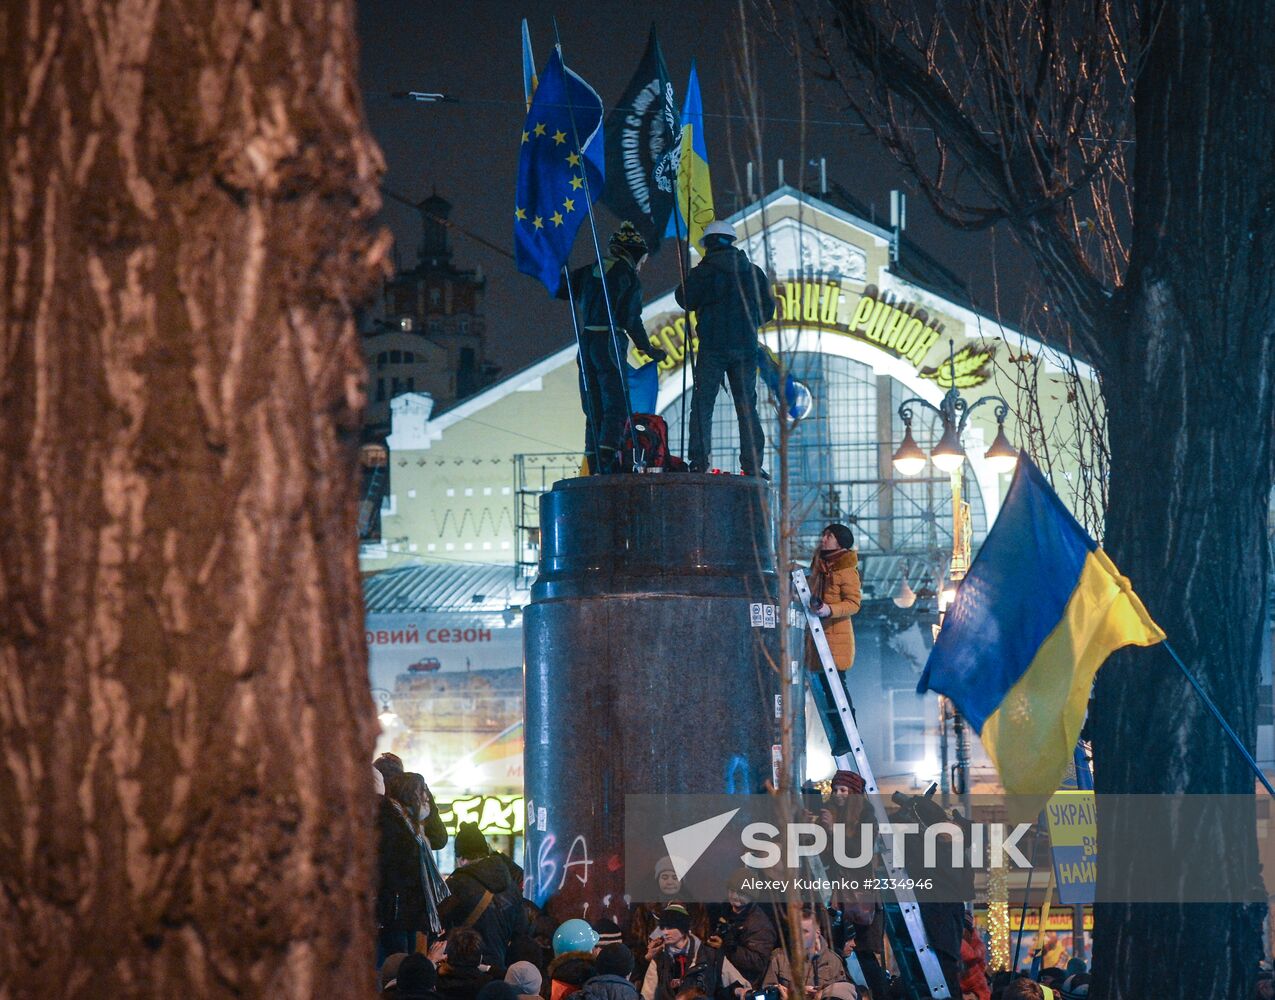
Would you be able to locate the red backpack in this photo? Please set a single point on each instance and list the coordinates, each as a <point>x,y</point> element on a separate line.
<point>645,445</point>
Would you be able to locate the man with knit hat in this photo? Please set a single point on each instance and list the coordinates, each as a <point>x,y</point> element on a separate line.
<point>525,978</point>
<point>608,933</point>
<point>608,305</point>
<point>485,895</point>
<point>686,961</point>
<point>614,965</point>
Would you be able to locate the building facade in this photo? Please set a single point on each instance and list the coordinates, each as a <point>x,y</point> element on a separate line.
<point>459,529</point>
<point>432,335</point>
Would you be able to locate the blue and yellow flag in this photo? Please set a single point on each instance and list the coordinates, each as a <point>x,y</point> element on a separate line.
<point>560,171</point>
<point>1040,611</point>
<point>528,65</point>
<point>693,208</point>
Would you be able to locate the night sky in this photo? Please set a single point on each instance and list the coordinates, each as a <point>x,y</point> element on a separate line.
<point>468,151</point>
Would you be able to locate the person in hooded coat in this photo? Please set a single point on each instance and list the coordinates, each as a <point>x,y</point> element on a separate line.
<point>484,895</point>
<point>731,298</point>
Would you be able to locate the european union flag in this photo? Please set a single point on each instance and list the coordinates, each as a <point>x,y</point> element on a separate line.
<point>560,172</point>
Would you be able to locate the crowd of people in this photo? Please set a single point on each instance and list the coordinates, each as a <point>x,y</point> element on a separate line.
<point>472,935</point>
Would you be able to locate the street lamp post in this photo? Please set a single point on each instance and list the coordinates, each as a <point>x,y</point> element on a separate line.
<point>386,716</point>
<point>949,456</point>
<point>954,411</point>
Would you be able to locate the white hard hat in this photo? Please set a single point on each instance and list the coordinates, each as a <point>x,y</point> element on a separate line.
<point>718,228</point>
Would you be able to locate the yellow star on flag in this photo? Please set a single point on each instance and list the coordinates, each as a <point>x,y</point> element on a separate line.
<point>538,222</point>
<point>576,182</point>
<point>559,137</point>
<point>520,214</point>
<point>569,204</point>
<point>573,159</point>
<point>540,129</point>
<point>556,218</point>
<point>525,137</point>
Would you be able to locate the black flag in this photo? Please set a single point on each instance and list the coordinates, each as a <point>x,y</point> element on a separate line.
<point>641,133</point>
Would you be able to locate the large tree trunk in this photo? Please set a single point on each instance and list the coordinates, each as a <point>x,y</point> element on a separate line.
<point>1190,405</point>
<point>185,725</point>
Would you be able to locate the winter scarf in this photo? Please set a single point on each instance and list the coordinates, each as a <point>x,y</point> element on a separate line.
<point>435,887</point>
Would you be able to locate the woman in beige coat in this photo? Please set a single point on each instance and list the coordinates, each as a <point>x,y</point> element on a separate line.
<point>836,593</point>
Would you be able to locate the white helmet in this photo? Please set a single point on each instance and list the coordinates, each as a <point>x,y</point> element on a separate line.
<point>718,228</point>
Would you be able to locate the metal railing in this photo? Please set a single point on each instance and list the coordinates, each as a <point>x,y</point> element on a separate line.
<point>535,474</point>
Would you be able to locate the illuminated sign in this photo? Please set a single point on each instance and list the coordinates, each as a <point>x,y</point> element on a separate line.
<point>496,815</point>
<point>904,330</point>
<point>1057,920</point>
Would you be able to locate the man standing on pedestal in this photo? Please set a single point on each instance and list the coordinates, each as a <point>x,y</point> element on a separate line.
<point>731,299</point>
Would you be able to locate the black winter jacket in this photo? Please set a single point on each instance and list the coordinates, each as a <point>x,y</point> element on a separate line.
<point>731,298</point>
<point>625,289</point>
<point>749,940</point>
<point>400,899</point>
<point>502,919</point>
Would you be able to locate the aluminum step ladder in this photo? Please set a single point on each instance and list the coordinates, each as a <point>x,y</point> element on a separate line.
<point>918,963</point>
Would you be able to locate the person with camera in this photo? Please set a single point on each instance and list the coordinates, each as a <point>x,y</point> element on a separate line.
<point>686,961</point>
<point>744,934</point>
<point>825,972</point>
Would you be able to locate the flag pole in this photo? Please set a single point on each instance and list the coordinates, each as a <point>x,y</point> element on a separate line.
<point>1221,720</point>
<point>596,457</point>
<point>597,251</point>
<point>687,359</point>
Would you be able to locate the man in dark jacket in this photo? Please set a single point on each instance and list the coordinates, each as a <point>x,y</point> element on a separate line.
<point>485,895</point>
<point>744,934</point>
<point>613,966</point>
<point>730,298</point>
<point>601,358</point>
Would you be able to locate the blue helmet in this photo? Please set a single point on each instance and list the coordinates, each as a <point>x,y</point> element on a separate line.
<point>574,935</point>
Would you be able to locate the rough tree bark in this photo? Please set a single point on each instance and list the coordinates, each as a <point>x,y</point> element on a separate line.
<point>185,722</point>
<point>1175,307</point>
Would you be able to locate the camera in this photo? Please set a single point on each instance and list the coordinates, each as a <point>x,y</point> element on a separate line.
<point>765,993</point>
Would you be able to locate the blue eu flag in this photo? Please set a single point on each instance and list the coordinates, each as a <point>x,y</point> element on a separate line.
<point>559,173</point>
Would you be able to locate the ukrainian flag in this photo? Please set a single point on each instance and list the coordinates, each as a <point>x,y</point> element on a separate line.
<point>1039,612</point>
<point>694,203</point>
